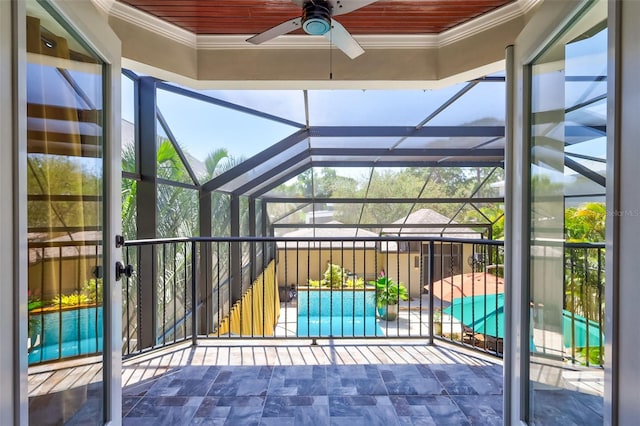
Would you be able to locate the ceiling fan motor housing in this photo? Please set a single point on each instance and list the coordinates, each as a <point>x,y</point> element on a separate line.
<point>316,17</point>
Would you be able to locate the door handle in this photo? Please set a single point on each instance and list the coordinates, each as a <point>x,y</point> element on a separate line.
<point>123,270</point>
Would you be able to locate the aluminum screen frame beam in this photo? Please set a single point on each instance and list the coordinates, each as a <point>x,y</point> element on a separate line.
<point>405,131</point>
<point>218,102</point>
<point>271,173</point>
<point>408,152</point>
<point>379,225</point>
<point>322,200</point>
<point>301,169</point>
<point>585,171</point>
<point>247,165</point>
<point>407,163</point>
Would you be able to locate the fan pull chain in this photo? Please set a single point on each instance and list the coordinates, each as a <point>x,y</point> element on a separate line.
<point>331,52</point>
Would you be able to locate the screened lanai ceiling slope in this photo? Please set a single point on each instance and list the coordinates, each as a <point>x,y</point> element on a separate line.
<point>460,126</point>
<point>274,136</point>
<point>283,144</point>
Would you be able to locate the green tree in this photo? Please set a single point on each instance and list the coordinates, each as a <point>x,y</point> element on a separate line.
<point>59,178</point>
<point>586,222</point>
<point>584,267</point>
<point>178,207</point>
<point>488,214</point>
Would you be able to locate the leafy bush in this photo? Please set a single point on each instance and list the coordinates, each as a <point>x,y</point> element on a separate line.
<point>595,357</point>
<point>73,299</point>
<point>388,292</point>
<point>33,301</point>
<point>357,283</point>
<point>93,290</point>
<point>336,277</point>
<point>315,283</point>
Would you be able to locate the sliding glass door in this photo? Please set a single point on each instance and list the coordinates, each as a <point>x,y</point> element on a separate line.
<point>567,171</point>
<point>71,203</point>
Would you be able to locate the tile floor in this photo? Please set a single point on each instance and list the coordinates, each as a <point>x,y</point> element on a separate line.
<point>285,383</point>
<point>451,389</point>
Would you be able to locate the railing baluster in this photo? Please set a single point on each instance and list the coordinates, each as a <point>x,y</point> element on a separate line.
<point>127,302</point>
<point>573,309</point>
<point>585,294</point>
<point>430,283</point>
<point>194,297</point>
<point>175,299</point>
<point>96,301</point>
<point>420,284</point>
<point>184,294</point>
<point>164,294</point>
<point>60,325</point>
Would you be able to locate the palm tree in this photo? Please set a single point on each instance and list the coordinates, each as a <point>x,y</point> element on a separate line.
<point>177,211</point>
<point>584,272</point>
<point>586,223</point>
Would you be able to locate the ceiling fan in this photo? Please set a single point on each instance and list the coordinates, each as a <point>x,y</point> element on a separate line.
<point>317,19</point>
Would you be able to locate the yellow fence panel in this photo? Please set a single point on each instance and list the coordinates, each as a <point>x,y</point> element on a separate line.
<point>257,313</point>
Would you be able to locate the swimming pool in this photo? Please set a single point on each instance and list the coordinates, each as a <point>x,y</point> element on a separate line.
<point>67,334</point>
<point>347,313</point>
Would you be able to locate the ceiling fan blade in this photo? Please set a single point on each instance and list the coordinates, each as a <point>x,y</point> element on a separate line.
<point>341,7</point>
<point>278,30</point>
<point>341,38</point>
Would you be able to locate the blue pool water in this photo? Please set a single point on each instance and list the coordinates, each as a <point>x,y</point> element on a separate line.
<point>66,334</point>
<point>337,313</point>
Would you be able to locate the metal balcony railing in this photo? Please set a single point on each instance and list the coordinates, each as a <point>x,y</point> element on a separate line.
<point>190,289</point>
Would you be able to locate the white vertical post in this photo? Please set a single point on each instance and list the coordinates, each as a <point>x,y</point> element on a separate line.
<point>622,292</point>
<point>13,234</point>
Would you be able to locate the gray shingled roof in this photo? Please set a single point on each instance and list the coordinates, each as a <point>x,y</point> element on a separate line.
<point>328,233</point>
<point>428,216</point>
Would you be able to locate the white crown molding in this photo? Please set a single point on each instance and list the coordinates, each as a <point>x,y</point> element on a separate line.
<point>148,22</point>
<point>221,42</point>
<point>487,21</point>
<point>207,42</point>
<point>104,5</point>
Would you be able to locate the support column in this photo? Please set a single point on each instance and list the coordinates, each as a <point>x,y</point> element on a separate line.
<point>513,313</point>
<point>205,310</point>
<point>146,219</point>
<point>252,232</point>
<point>13,214</point>
<point>622,292</point>
<point>267,231</point>
<point>236,251</point>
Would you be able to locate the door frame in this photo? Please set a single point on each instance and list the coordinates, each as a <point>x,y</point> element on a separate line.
<point>92,26</point>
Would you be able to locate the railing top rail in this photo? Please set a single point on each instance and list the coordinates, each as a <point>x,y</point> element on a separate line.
<point>54,244</point>
<point>311,239</point>
<point>417,238</point>
<point>584,245</point>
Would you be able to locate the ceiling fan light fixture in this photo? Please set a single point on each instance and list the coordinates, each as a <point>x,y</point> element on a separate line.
<point>316,17</point>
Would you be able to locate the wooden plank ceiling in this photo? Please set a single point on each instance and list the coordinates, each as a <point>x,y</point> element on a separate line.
<point>217,17</point>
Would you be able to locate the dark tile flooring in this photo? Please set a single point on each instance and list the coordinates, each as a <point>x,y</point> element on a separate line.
<point>404,394</point>
<point>566,407</point>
